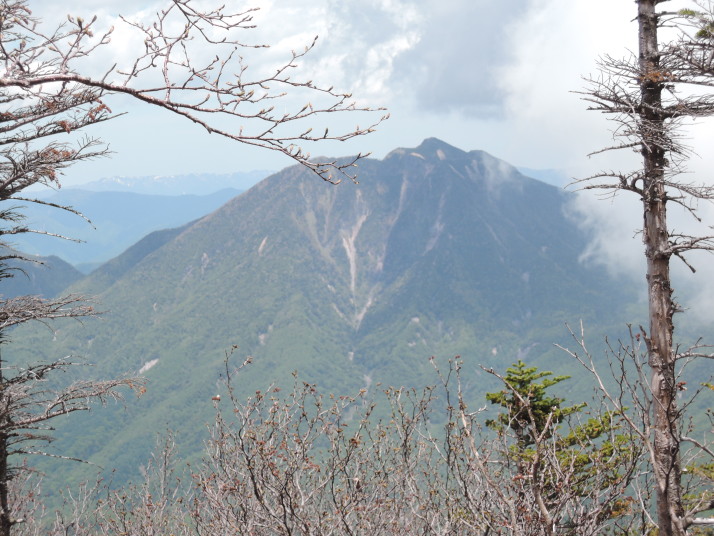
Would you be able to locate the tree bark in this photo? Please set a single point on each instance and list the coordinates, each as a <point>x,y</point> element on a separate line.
<point>670,512</point>
<point>5,522</point>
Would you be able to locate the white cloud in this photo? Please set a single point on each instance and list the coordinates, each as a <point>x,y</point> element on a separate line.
<point>462,43</point>
<point>613,225</point>
<point>479,74</point>
<point>554,45</point>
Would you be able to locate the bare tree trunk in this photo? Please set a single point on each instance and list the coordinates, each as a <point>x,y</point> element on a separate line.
<point>5,523</point>
<point>657,250</point>
<point>641,96</point>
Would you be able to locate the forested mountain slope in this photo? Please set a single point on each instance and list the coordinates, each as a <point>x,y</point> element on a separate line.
<point>436,252</point>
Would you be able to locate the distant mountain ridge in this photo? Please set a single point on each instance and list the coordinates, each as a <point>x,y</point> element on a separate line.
<point>39,276</point>
<point>189,184</point>
<point>118,220</point>
<point>436,252</point>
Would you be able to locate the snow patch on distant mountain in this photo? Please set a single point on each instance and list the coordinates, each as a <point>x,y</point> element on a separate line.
<point>196,183</point>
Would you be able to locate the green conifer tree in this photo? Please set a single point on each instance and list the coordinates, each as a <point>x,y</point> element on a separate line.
<point>556,447</point>
<point>529,409</point>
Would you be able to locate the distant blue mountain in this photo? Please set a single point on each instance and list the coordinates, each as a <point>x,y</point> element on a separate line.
<point>38,276</point>
<point>192,184</point>
<point>118,220</point>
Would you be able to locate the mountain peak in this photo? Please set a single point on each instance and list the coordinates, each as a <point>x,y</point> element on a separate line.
<point>430,149</point>
<point>436,147</point>
<point>479,167</point>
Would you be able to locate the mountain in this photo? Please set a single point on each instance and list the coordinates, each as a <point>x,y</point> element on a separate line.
<point>118,220</point>
<point>44,276</point>
<point>190,184</point>
<point>436,252</point>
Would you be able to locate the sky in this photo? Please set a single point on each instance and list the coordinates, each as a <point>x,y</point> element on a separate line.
<point>493,75</point>
<point>479,74</point>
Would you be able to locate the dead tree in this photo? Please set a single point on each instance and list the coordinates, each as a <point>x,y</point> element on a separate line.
<point>190,63</point>
<point>630,396</point>
<point>29,400</point>
<point>649,97</point>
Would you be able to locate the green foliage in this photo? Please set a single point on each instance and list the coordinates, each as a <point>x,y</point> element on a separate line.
<point>596,448</point>
<point>529,410</point>
<point>553,447</point>
<point>701,21</point>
